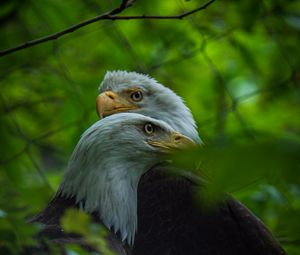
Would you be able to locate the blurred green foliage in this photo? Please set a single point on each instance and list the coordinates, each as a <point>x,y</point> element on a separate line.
<point>236,64</point>
<point>94,233</point>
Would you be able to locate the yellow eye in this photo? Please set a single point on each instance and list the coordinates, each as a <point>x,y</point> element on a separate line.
<point>137,96</point>
<point>149,128</point>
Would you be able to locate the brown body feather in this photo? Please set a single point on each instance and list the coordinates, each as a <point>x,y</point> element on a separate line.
<point>171,222</point>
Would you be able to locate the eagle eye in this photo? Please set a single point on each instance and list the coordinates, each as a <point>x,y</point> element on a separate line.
<point>137,96</point>
<point>149,128</point>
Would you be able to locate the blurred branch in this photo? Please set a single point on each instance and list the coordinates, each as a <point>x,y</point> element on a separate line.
<point>107,16</point>
<point>35,141</point>
<point>15,156</point>
<point>25,104</point>
<point>270,89</point>
<point>274,34</point>
<point>284,241</point>
<point>117,34</point>
<point>40,171</point>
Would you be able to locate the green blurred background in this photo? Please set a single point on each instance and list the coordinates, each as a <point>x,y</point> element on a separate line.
<point>236,64</point>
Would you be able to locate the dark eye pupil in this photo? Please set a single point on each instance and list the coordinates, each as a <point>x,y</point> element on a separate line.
<point>137,96</point>
<point>149,128</point>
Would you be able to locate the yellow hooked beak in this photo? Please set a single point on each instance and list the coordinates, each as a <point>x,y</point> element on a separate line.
<point>175,141</point>
<point>108,103</point>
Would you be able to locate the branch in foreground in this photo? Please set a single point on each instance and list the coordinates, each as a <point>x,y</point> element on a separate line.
<point>107,16</point>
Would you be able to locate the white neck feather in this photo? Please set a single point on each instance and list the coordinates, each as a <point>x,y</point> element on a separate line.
<point>112,192</point>
<point>103,172</point>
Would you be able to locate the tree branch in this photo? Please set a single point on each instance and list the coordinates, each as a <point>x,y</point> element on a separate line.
<point>106,16</point>
<point>178,16</point>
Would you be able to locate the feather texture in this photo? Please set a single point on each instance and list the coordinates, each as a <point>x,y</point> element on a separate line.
<point>116,176</point>
<point>159,102</point>
<point>172,221</point>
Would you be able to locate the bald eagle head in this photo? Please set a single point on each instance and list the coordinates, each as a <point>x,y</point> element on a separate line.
<point>122,91</point>
<point>108,161</point>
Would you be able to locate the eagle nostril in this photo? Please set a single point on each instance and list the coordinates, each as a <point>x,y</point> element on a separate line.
<point>177,138</point>
<point>110,95</point>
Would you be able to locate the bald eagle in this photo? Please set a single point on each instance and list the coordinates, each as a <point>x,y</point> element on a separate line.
<point>103,174</point>
<point>169,222</point>
<point>122,91</point>
<point>116,173</point>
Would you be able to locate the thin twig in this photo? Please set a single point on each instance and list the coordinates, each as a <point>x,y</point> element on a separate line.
<point>178,16</point>
<point>106,16</point>
<point>29,104</point>
<point>122,7</point>
<point>40,171</point>
<point>15,156</point>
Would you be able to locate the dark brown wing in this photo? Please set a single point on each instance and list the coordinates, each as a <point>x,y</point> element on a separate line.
<point>53,234</point>
<point>169,222</point>
<point>252,230</point>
